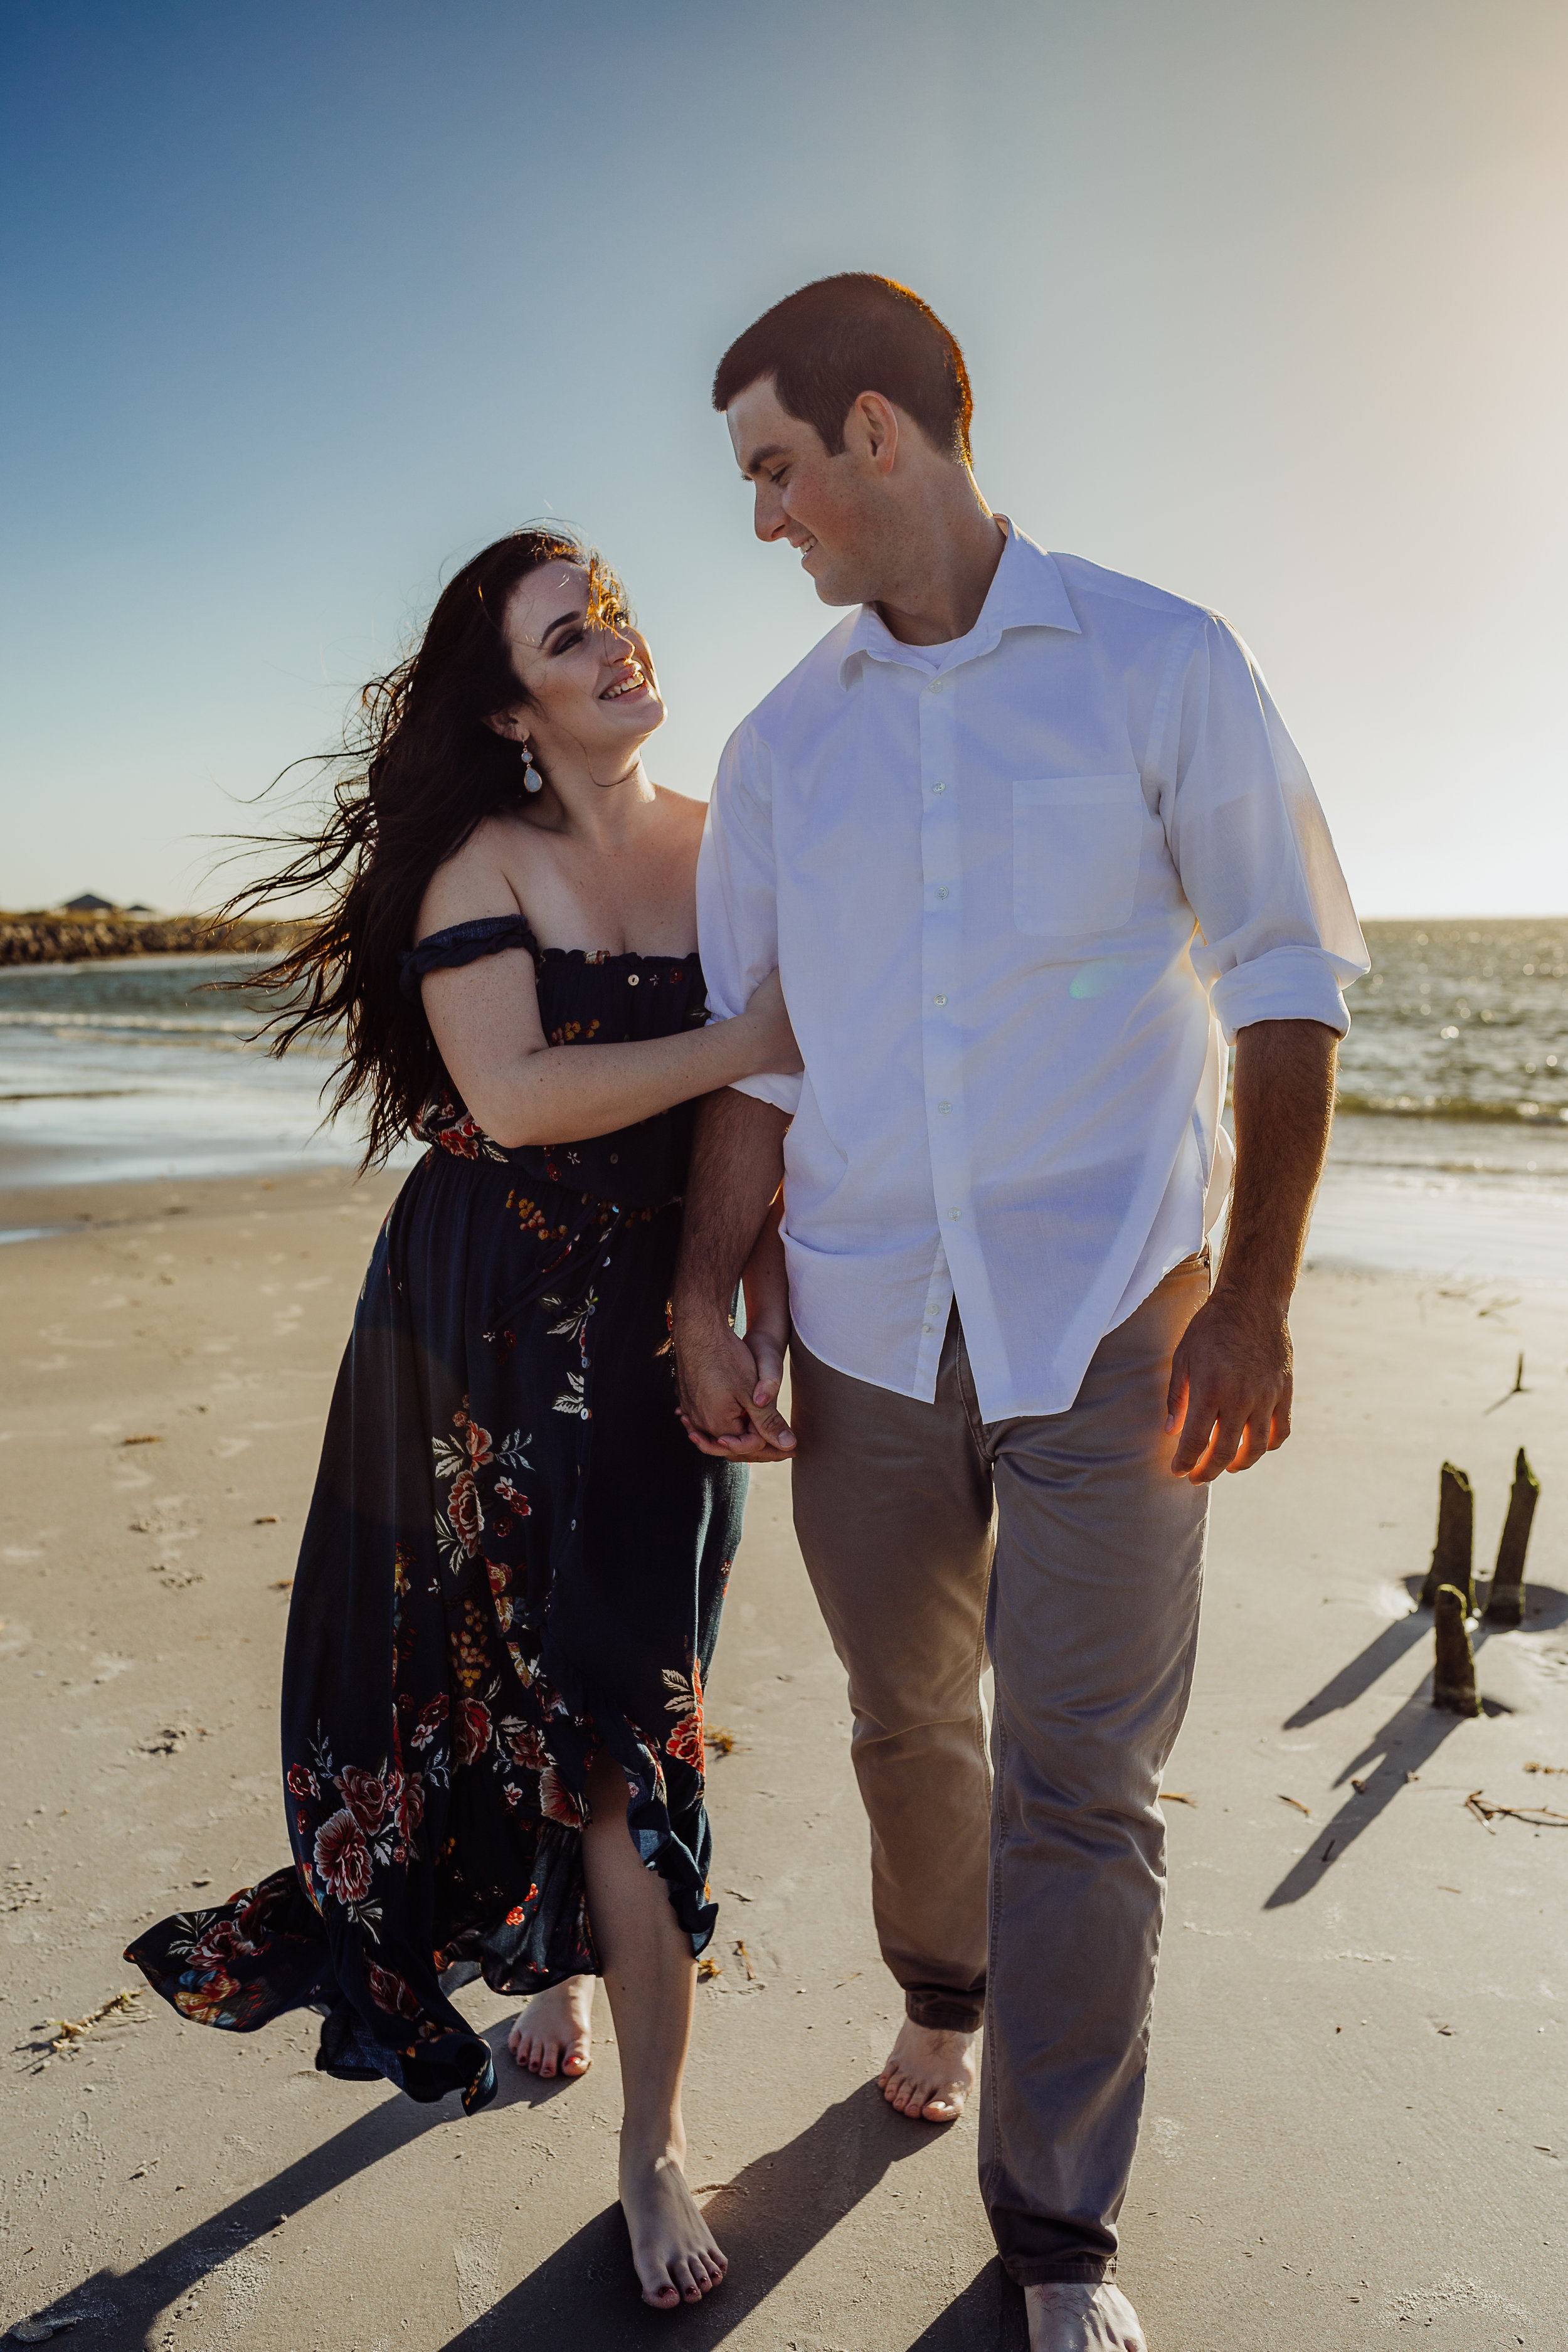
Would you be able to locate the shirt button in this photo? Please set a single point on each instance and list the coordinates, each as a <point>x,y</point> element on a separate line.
<point>936,685</point>
<point>925,1326</point>
<point>944,1107</point>
<point>955,1215</point>
<point>939,788</point>
<point>939,999</point>
<point>941,894</point>
<point>632,979</point>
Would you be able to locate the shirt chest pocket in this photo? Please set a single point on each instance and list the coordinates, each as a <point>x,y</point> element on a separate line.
<point>1076,845</point>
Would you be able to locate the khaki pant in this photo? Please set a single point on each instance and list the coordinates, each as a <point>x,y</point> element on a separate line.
<point>1039,1902</point>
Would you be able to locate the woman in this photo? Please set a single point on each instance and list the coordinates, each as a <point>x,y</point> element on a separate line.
<point>510,1585</point>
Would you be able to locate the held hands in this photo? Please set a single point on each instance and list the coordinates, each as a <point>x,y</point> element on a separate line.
<point>775,1049</point>
<point>1231,1377</point>
<point>729,1390</point>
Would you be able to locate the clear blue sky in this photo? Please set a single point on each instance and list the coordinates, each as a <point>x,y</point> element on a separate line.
<point>1262,302</point>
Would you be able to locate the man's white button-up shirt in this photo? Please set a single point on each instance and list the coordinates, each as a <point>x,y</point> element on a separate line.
<point>1022,889</point>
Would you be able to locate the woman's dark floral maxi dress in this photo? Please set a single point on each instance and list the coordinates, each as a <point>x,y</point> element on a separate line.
<point>513,1557</point>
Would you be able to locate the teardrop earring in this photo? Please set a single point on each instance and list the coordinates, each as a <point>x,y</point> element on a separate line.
<point>532,782</point>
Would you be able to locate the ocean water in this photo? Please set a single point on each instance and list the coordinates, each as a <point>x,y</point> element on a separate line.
<point>137,1068</point>
<point>1451,1151</point>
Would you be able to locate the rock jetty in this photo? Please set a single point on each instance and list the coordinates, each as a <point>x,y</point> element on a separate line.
<point>72,938</point>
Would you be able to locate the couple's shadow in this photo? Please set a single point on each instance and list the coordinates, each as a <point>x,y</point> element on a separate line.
<point>769,2219</point>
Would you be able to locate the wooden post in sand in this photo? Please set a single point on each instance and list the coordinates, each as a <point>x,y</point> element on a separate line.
<point>1452,1553</point>
<point>1454,1679</point>
<point>1506,1605</point>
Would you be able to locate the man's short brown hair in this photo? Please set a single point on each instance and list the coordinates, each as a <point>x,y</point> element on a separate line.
<point>843,336</point>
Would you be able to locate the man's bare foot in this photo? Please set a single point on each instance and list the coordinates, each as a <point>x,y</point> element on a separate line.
<point>930,2073</point>
<point>677,2260</point>
<point>1074,2317</point>
<point>552,2033</point>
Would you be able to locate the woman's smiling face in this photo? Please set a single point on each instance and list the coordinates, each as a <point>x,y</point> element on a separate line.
<point>589,675</point>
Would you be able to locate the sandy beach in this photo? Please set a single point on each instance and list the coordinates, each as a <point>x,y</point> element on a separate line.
<point>1357,2123</point>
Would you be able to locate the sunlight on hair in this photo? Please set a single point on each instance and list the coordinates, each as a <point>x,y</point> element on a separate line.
<point>607,605</point>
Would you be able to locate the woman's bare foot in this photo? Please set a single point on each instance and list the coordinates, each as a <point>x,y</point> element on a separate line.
<point>930,2073</point>
<point>1066,2317</point>
<point>553,2032</point>
<point>677,2258</point>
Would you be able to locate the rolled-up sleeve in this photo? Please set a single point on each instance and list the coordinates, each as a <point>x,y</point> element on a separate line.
<point>737,906</point>
<point>1280,937</point>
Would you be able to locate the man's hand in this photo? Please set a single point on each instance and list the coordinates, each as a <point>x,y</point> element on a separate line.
<point>728,1397</point>
<point>1231,1378</point>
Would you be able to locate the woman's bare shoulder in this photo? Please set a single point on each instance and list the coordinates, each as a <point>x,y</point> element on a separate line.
<point>475,881</point>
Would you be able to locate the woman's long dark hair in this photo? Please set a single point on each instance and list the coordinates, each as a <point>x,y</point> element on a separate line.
<point>420,770</point>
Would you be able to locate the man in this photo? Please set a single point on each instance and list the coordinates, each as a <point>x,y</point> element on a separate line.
<point>1030,846</point>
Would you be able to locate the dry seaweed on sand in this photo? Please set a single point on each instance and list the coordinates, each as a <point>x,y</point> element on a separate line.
<point>1300,1808</point>
<point>68,2032</point>
<point>1535,1817</point>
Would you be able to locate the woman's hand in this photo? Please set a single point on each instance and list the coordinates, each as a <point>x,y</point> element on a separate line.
<point>766,1013</point>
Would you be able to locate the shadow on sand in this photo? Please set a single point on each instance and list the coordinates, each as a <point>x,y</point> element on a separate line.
<point>584,2295</point>
<point>124,2305</point>
<point>768,2220</point>
<point>1401,1747</point>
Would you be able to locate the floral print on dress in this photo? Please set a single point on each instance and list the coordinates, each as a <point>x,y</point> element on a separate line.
<point>510,1539</point>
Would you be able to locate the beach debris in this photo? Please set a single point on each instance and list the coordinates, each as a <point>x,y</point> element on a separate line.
<point>1506,1604</point>
<point>169,1741</point>
<point>745,1959</point>
<point>1554,1769</point>
<point>1360,1788</point>
<point>708,1968</point>
<point>1452,1554</point>
<point>70,2031</point>
<point>1454,1675</point>
<point>39,2330</point>
<point>149,1439</point>
<point>1535,1817</point>
<point>1300,1808</point>
<point>1518,1389</point>
<point>283,1584</point>
<point>720,1739</point>
<point>267,1519</point>
<point>1178,1797</point>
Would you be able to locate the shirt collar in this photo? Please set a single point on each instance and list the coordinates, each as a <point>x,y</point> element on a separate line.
<point>1025,593</point>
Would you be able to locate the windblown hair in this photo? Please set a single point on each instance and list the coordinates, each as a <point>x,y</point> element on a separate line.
<point>827,344</point>
<point>419,770</point>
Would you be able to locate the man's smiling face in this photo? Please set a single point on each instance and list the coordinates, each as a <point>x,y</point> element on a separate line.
<point>824,506</point>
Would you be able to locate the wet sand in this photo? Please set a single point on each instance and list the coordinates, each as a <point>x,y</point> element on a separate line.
<point>1358,2113</point>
